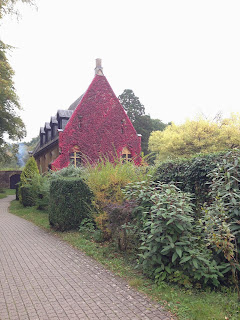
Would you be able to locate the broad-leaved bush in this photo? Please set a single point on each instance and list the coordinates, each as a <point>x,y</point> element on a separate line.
<point>171,245</point>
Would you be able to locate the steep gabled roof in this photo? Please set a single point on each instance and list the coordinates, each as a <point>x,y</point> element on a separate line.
<point>76,103</point>
<point>98,125</point>
<point>98,102</point>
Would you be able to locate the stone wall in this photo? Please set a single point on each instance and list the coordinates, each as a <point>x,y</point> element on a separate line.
<point>8,179</point>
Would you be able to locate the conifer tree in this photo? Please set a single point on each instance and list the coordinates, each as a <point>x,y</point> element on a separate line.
<point>29,171</point>
<point>142,123</point>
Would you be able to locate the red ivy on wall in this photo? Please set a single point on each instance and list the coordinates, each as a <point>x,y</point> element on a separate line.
<point>99,127</point>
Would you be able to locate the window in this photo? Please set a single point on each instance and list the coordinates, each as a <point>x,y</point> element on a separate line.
<point>126,155</point>
<point>75,157</point>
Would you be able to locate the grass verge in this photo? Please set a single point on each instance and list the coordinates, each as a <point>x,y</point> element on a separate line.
<point>6,192</point>
<point>185,304</point>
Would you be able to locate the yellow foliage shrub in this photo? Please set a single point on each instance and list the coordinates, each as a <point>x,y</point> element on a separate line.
<point>107,180</point>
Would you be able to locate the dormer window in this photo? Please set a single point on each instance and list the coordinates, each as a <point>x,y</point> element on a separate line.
<point>42,137</point>
<point>126,155</point>
<point>47,130</point>
<point>75,157</point>
<point>63,117</point>
<point>54,127</point>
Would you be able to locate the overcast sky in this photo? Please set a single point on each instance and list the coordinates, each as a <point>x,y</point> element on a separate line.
<point>181,58</point>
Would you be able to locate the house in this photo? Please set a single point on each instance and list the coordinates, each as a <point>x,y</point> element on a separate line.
<point>94,126</point>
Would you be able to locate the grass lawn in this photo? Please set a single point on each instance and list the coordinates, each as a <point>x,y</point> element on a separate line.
<point>7,192</point>
<point>185,304</point>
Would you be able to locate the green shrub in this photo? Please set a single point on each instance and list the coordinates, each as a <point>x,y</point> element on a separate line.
<point>171,243</point>
<point>106,180</point>
<point>67,172</point>
<point>28,196</point>
<point>225,184</point>
<point>30,170</point>
<point>222,217</point>
<point>98,236</point>
<point>41,186</point>
<point>88,228</point>
<point>123,225</point>
<point>70,203</point>
<point>191,175</point>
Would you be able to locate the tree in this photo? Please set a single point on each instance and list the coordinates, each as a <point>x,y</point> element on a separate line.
<point>32,143</point>
<point>131,104</point>
<point>26,192</point>
<point>29,171</point>
<point>142,123</point>
<point>9,158</point>
<point>25,149</point>
<point>158,125</point>
<point>230,131</point>
<point>196,136</point>
<point>8,6</point>
<point>10,123</point>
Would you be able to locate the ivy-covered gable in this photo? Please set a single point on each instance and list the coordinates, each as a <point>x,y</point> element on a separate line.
<point>99,127</point>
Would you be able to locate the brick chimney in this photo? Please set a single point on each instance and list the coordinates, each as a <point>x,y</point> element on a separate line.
<point>99,69</point>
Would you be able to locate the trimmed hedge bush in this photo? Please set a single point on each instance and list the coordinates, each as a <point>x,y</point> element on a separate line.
<point>191,175</point>
<point>28,196</point>
<point>70,203</point>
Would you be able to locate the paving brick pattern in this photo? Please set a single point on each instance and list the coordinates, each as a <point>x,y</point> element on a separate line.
<point>42,277</point>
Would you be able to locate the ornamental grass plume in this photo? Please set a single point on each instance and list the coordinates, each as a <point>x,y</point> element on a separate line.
<point>106,180</point>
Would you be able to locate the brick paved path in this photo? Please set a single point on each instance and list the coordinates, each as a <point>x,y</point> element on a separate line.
<point>41,277</point>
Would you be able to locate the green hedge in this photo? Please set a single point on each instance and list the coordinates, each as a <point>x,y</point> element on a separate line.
<point>28,196</point>
<point>70,203</point>
<point>191,175</point>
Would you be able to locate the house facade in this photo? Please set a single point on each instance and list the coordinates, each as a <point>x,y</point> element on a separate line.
<point>95,126</point>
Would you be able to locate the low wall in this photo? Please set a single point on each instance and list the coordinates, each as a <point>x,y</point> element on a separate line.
<point>8,179</point>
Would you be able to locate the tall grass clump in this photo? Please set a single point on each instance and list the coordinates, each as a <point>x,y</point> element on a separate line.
<point>106,180</point>
<point>67,172</point>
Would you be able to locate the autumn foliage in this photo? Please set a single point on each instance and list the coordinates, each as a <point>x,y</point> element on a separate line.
<point>196,136</point>
<point>99,127</point>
